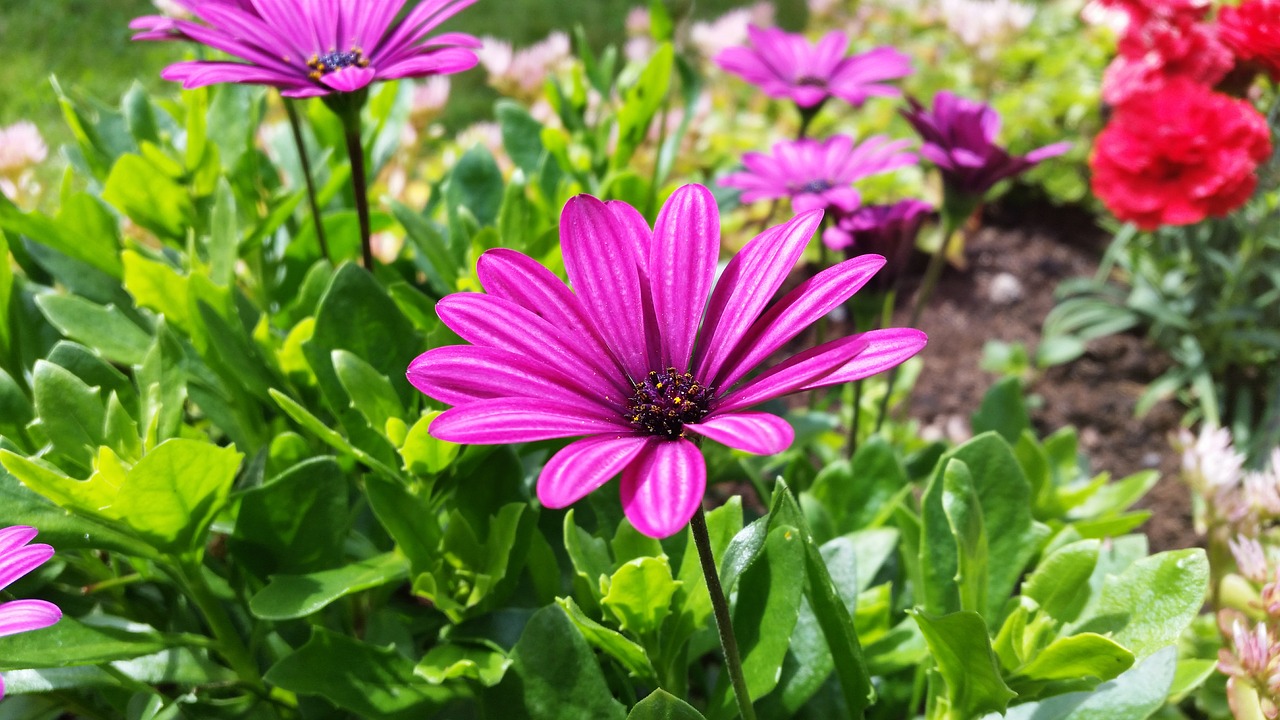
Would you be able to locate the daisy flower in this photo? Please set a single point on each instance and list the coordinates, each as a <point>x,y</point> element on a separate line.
<point>646,353</point>
<point>307,48</point>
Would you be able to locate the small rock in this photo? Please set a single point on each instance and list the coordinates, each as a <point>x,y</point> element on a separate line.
<point>1151,459</point>
<point>1005,289</point>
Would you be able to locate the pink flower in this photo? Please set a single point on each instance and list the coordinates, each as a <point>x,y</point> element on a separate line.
<point>1252,31</point>
<point>1178,155</point>
<point>887,230</point>
<point>786,65</point>
<point>17,558</point>
<point>309,49</point>
<point>20,147</point>
<point>817,175</point>
<point>1251,559</point>
<point>643,353</point>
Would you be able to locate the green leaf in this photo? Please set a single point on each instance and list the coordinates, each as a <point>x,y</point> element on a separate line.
<point>556,674</point>
<point>837,626</point>
<point>433,253</point>
<point>628,653</point>
<point>293,596</point>
<point>1060,582</point>
<point>62,530</point>
<point>159,288</point>
<point>70,642</point>
<point>662,705</point>
<point>356,676</point>
<point>168,667</point>
<point>222,245</point>
<point>1004,496</point>
<point>453,661</point>
<point>588,554</point>
<point>71,413</point>
<point>407,516</point>
<point>1086,655</point>
<point>83,230</point>
<point>296,523</point>
<point>639,594</point>
<point>1003,410</point>
<point>476,184</point>
<point>858,493</point>
<point>1147,606</point>
<point>424,454</point>
<point>966,662</point>
<point>640,103</point>
<point>521,135</point>
<point>768,604</point>
<point>964,515</point>
<point>149,197</point>
<point>104,329</point>
<point>371,392</point>
<point>1135,695</point>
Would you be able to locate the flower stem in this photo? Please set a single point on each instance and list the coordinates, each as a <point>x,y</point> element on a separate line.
<point>351,129</point>
<point>229,643</point>
<point>296,125</point>
<point>720,606</point>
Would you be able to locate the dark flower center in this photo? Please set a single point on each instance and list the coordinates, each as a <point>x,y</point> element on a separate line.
<point>816,186</point>
<point>333,60</point>
<point>811,81</point>
<point>664,401</point>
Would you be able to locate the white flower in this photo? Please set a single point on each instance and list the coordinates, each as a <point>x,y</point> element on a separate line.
<point>20,147</point>
<point>729,30</point>
<point>980,22</point>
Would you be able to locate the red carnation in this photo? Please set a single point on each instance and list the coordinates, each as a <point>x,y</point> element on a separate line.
<point>1252,31</point>
<point>1161,47</point>
<point>1178,154</point>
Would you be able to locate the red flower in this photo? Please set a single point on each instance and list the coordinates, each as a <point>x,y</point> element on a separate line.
<point>1160,46</point>
<point>1178,154</point>
<point>1252,31</point>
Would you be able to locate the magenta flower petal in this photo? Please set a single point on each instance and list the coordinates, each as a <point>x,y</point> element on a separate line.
<point>458,374</point>
<point>686,243</point>
<point>746,286</point>
<point>348,79</point>
<point>663,487</point>
<point>519,278</point>
<point>886,349</point>
<point>17,562</point>
<point>584,465</point>
<point>754,432</point>
<point>491,321</point>
<point>14,537</point>
<point>602,265</point>
<point>793,374</point>
<point>307,48</point>
<point>512,420</point>
<point>814,298</point>
<point>19,616</point>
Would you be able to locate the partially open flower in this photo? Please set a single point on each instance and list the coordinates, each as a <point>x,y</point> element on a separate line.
<point>646,353</point>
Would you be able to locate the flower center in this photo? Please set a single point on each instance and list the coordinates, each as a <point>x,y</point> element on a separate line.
<point>665,400</point>
<point>811,81</point>
<point>816,186</point>
<point>322,65</point>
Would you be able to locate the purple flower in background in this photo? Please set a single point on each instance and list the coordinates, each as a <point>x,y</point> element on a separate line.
<point>643,352</point>
<point>817,175</point>
<point>787,65</point>
<point>307,48</point>
<point>17,558</point>
<point>960,138</point>
<point>887,230</point>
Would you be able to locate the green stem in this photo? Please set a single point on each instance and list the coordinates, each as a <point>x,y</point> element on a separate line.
<point>296,125</point>
<point>720,606</point>
<point>355,151</point>
<point>230,645</point>
<point>856,405</point>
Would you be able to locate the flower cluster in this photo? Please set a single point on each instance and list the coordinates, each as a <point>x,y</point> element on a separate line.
<point>522,73</point>
<point>21,148</point>
<point>1235,498</point>
<point>646,353</point>
<point>1176,151</point>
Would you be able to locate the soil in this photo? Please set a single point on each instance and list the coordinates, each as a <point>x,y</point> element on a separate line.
<point>1038,247</point>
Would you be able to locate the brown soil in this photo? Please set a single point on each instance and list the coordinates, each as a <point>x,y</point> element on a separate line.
<point>1040,247</point>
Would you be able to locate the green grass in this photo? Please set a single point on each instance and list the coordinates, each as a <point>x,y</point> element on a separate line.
<point>85,43</point>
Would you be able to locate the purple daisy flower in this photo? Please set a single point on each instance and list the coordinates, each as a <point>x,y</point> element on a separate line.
<point>960,138</point>
<point>787,65</point>
<point>644,352</point>
<point>309,48</point>
<point>886,230</point>
<point>817,175</point>
<point>17,558</point>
